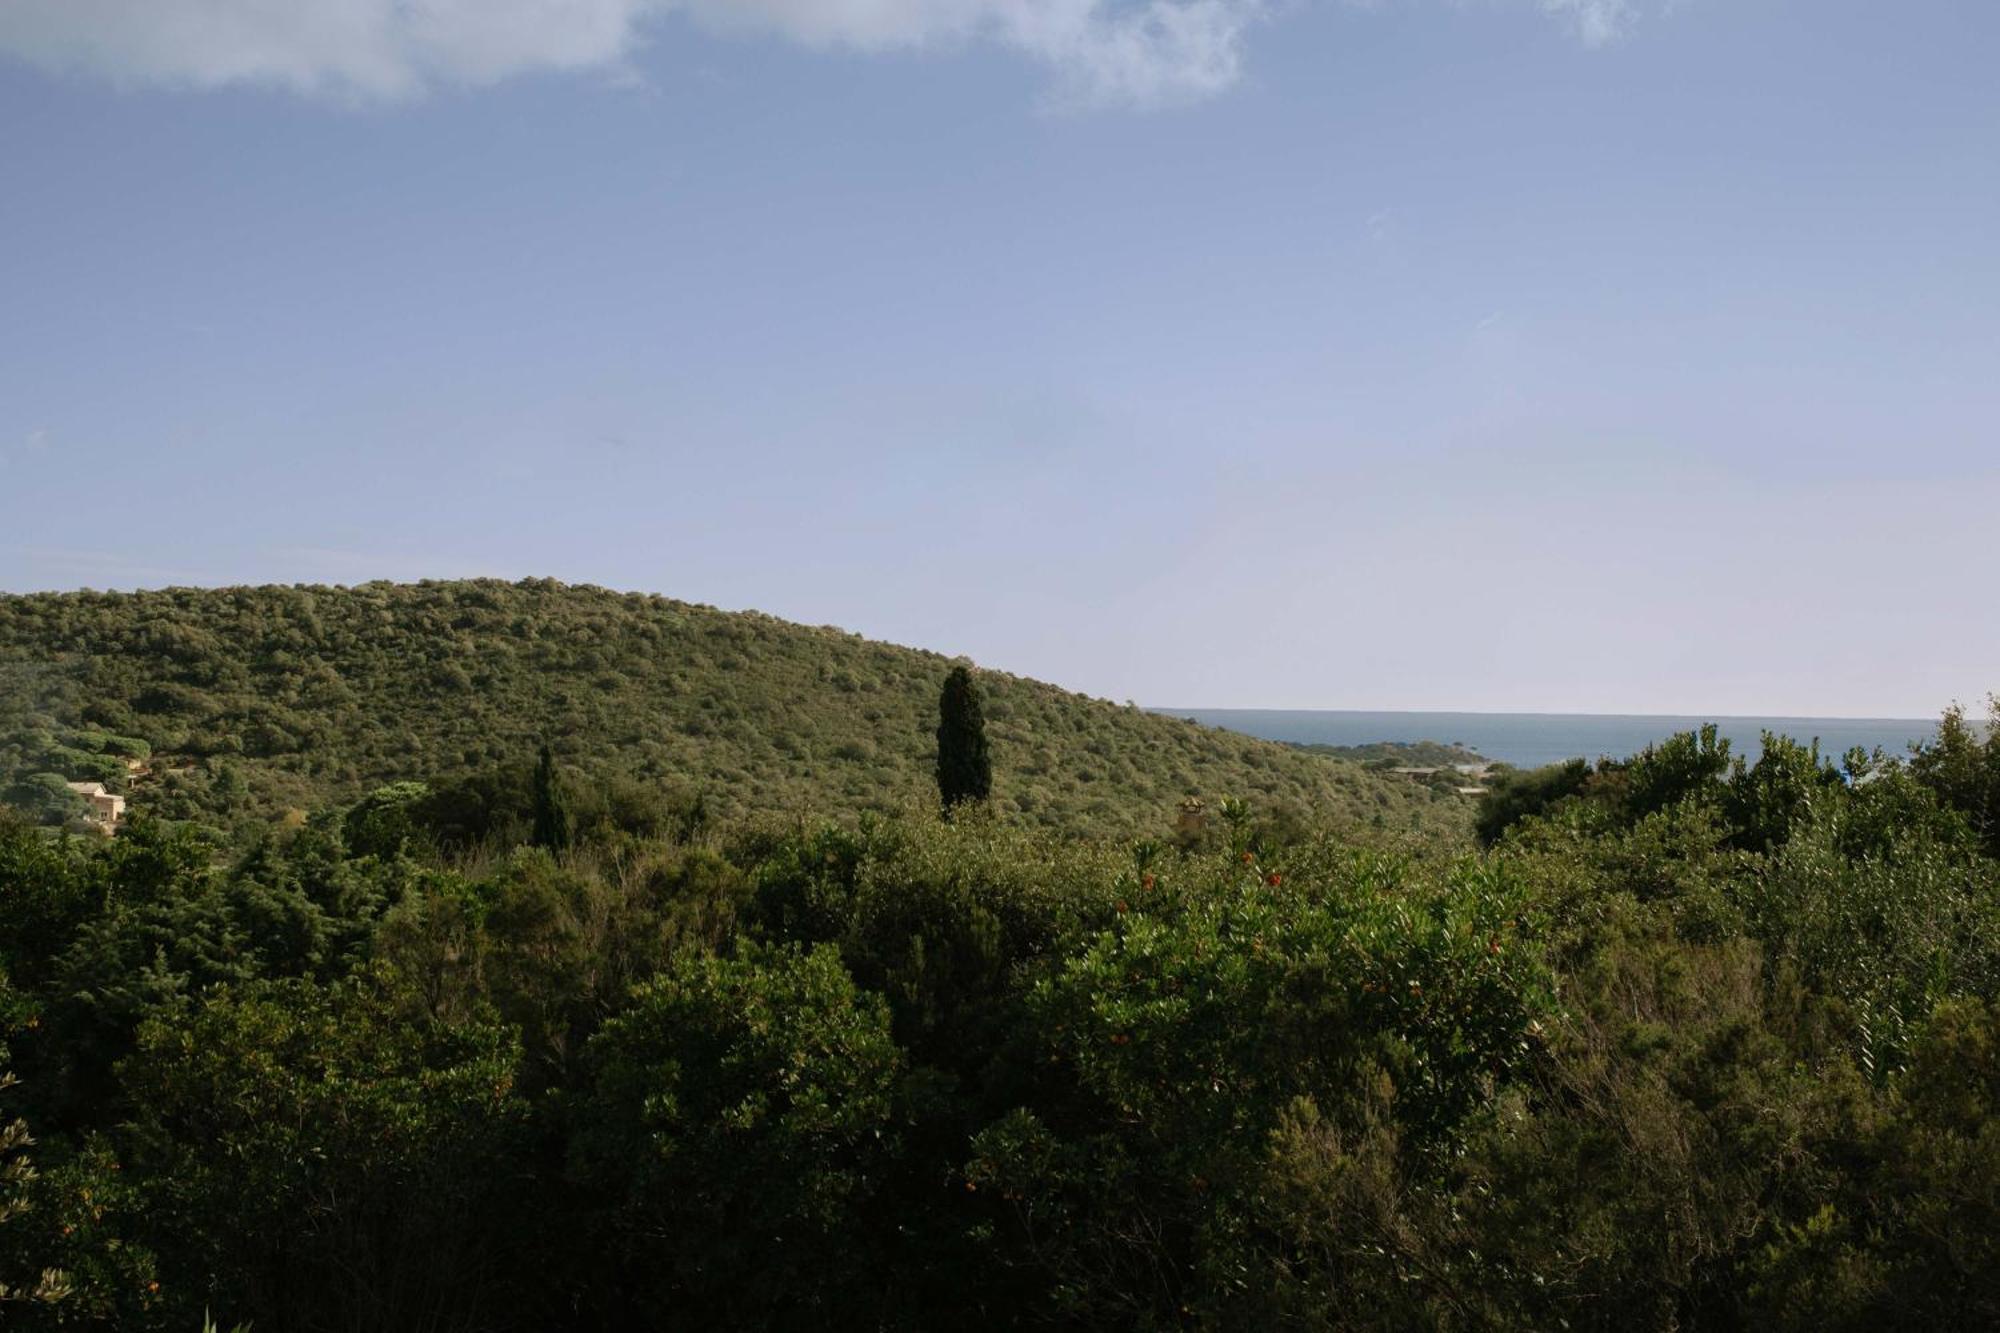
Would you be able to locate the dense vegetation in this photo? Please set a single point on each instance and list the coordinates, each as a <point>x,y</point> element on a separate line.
<point>239,705</point>
<point>1401,754</point>
<point>1694,1044</point>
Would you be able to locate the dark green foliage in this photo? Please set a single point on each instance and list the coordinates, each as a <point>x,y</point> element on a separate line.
<point>1962,767</point>
<point>48,889</point>
<point>1407,754</point>
<point>1515,796</point>
<point>964,769</point>
<point>740,1116</point>
<point>1766,800</point>
<point>1686,765</point>
<point>1194,1028</point>
<point>325,1163</point>
<point>383,822</point>
<point>492,807</point>
<point>46,798</point>
<point>551,827</point>
<point>27,1278</point>
<point>1696,1043</point>
<point>1873,800</point>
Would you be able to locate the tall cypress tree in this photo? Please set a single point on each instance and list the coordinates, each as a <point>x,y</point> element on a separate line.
<point>964,771</point>
<point>551,810</point>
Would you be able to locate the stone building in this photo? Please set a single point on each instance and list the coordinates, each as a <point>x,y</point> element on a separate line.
<point>106,808</point>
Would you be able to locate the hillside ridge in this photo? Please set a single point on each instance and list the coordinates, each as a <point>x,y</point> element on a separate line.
<point>299,696</point>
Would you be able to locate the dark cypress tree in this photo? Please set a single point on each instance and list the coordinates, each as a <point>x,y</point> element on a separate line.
<point>964,771</point>
<point>551,810</point>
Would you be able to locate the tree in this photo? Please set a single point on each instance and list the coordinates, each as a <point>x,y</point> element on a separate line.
<point>1686,764</point>
<point>321,1162</point>
<point>17,1174</point>
<point>552,824</point>
<point>738,1120</point>
<point>1515,796</point>
<point>1963,768</point>
<point>382,822</point>
<point>964,769</point>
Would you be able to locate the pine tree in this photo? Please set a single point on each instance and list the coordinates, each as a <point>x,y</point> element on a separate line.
<point>964,770</point>
<point>551,810</point>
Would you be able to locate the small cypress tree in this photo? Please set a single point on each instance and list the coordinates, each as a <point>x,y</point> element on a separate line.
<point>551,810</point>
<point>964,770</point>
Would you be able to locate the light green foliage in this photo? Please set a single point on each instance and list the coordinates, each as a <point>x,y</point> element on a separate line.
<point>256,700</point>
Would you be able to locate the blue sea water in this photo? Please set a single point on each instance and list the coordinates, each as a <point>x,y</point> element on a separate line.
<point>1529,740</point>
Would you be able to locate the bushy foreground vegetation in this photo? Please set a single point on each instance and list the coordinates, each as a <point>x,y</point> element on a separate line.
<point>1695,1044</point>
<point>236,705</point>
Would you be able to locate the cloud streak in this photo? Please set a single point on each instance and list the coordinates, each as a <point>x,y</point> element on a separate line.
<point>1099,52</point>
<point>1597,22</point>
<point>1142,53</point>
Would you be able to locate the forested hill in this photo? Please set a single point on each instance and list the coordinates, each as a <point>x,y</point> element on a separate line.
<point>279,698</point>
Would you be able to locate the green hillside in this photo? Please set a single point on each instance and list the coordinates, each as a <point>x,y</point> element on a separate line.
<point>261,700</point>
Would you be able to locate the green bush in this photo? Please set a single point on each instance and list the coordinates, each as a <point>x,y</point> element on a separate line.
<point>739,1118</point>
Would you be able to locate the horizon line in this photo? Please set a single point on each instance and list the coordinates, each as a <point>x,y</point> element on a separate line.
<point>1542,712</point>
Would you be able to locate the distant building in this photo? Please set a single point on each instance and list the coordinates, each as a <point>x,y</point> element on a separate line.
<point>105,807</point>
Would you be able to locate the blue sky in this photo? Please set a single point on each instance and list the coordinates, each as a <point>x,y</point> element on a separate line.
<point>1561,355</point>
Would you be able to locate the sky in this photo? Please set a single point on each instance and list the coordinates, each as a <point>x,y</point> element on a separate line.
<point>1543,355</point>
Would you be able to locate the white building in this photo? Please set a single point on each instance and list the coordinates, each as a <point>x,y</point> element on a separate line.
<point>106,808</point>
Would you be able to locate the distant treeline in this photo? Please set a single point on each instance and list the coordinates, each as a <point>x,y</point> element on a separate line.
<point>1399,754</point>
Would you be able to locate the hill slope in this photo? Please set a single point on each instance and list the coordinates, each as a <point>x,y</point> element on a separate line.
<point>297,697</point>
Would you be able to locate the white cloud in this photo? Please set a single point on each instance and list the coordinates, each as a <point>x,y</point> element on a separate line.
<point>1597,22</point>
<point>1140,52</point>
<point>1129,52</point>
<point>350,48</point>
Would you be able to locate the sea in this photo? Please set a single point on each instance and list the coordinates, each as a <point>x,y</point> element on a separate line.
<point>1529,740</point>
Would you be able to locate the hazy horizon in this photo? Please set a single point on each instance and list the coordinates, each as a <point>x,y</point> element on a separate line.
<point>1515,712</point>
<point>1579,356</point>
<point>1531,740</point>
